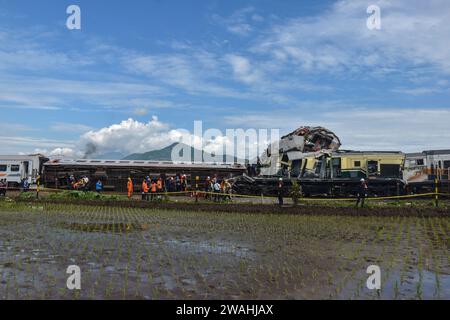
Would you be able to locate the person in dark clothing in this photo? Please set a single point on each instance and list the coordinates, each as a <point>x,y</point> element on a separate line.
<point>25,185</point>
<point>280,191</point>
<point>3,186</point>
<point>362,193</point>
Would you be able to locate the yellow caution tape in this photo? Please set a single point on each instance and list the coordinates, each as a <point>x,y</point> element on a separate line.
<point>193,192</point>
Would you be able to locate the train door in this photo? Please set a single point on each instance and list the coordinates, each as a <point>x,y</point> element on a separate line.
<point>25,171</point>
<point>296,168</point>
<point>335,167</point>
<point>372,168</point>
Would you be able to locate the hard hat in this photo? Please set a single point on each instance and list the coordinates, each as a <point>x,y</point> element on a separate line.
<point>362,180</point>
<point>280,179</point>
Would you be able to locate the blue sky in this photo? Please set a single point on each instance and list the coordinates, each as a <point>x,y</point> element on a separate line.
<point>138,71</point>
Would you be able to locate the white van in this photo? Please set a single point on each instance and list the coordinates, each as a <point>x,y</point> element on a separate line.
<point>16,168</point>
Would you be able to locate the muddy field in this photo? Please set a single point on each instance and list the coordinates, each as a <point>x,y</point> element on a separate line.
<point>142,253</point>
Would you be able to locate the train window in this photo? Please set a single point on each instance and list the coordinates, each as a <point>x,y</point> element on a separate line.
<point>357,163</point>
<point>3,167</point>
<point>318,166</point>
<point>390,170</point>
<point>446,164</point>
<point>419,162</point>
<point>372,167</point>
<point>15,167</point>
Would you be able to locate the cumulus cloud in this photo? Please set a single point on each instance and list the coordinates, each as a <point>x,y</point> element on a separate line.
<point>129,136</point>
<point>132,136</point>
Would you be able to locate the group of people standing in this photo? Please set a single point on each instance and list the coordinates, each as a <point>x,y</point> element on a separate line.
<point>217,189</point>
<point>153,188</point>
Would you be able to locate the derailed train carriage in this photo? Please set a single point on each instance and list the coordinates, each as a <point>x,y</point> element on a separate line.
<point>331,173</point>
<point>114,173</point>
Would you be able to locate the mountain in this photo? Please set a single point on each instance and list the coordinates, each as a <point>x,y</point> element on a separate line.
<point>165,154</point>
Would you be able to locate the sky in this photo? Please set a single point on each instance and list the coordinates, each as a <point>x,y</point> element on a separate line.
<point>138,72</point>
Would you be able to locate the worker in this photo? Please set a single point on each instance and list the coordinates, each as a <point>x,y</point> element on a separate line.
<point>25,185</point>
<point>3,186</point>
<point>159,187</point>
<point>130,187</point>
<point>153,190</point>
<point>99,186</point>
<point>216,187</point>
<point>177,183</point>
<point>144,189</point>
<point>207,187</point>
<point>362,192</point>
<point>183,183</point>
<point>227,190</point>
<point>280,191</point>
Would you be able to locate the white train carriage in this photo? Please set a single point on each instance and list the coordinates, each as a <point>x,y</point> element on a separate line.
<point>422,168</point>
<point>15,168</point>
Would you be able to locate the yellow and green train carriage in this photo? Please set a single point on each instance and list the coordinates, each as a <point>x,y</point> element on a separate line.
<point>332,173</point>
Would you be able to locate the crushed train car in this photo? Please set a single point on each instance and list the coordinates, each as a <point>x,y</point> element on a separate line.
<point>332,173</point>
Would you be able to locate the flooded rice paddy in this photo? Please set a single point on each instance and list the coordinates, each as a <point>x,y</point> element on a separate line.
<point>132,253</point>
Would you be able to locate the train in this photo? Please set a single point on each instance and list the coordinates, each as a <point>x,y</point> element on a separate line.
<point>15,168</point>
<point>332,173</point>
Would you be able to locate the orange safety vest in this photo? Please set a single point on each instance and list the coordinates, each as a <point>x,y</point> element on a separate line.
<point>159,184</point>
<point>130,186</point>
<point>153,187</point>
<point>144,187</point>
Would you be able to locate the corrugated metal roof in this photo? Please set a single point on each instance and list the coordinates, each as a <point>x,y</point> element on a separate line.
<point>141,163</point>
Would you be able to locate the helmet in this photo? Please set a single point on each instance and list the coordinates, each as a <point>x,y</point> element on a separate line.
<point>362,180</point>
<point>281,179</point>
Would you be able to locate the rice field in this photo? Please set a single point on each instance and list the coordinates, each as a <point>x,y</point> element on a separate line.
<point>141,253</point>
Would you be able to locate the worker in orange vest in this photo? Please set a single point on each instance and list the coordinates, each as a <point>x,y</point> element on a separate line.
<point>159,185</point>
<point>130,188</point>
<point>144,190</point>
<point>153,190</point>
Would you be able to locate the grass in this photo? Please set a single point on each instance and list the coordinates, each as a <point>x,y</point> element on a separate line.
<point>137,253</point>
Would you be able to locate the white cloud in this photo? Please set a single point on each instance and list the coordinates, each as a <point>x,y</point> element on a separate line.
<point>412,35</point>
<point>128,136</point>
<point>243,70</point>
<point>27,145</point>
<point>240,22</point>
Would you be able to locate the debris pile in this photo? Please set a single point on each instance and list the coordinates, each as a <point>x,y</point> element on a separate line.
<point>302,140</point>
